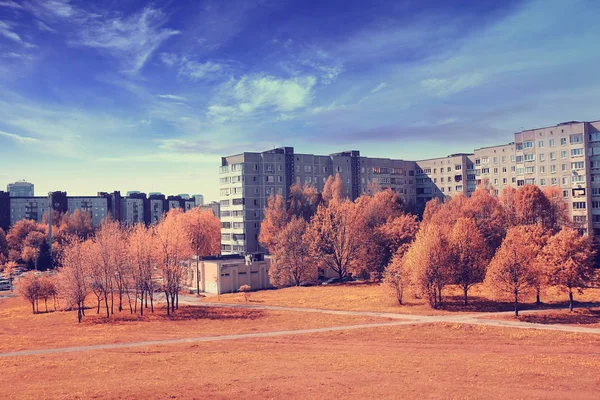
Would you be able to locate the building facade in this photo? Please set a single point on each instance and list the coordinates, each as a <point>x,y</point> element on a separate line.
<point>566,156</point>
<point>20,189</point>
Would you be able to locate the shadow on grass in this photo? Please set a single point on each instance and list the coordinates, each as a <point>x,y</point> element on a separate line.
<point>482,304</point>
<point>583,316</point>
<point>184,313</point>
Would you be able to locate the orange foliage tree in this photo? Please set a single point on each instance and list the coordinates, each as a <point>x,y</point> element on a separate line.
<point>334,238</point>
<point>204,231</point>
<point>276,218</point>
<point>469,255</point>
<point>569,259</point>
<point>293,263</point>
<point>333,189</point>
<point>513,271</point>
<point>74,276</point>
<point>303,201</point>
<point>428,261</point>
<point>141,247</point>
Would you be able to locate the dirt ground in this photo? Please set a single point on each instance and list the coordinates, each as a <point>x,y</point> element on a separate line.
<point>22,330</point>
<point>376,297</point>
<point>426,361</point>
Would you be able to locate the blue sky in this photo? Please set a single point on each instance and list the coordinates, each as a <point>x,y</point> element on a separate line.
<point>132,95</point>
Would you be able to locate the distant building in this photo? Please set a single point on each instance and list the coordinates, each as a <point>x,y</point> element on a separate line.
<point>20,189</point>
<point>215,207</point>
<point>199,199</point>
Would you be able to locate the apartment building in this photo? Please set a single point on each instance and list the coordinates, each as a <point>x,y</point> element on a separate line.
<point>566,155</point>
<point>97,206</point>
<point>20,189</point>
<point>247,181</point>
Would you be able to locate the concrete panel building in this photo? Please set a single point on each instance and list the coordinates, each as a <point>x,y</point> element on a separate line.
<point>566,156</point>
<point>20,189</point>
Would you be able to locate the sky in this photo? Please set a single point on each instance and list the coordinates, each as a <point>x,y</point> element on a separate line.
<point>134,95</point>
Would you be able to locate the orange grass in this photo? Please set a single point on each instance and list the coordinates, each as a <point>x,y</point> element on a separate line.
<point>376,297</point>
<point>427,361</point>
<point>22,330</point>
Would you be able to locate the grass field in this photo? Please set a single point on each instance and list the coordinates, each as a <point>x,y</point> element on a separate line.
<point>430,361</point>
<point>375,297</point>
<point>433,360</point>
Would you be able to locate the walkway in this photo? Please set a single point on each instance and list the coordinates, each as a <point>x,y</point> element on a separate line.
<point>402,319</point>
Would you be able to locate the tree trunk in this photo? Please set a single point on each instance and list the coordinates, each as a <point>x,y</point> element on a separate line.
<point>173,302</point>
<point>570,300</point>
<point>106,303</point>
<point>538,301</point>
<point>46,304</point>
<point>83,307</point>
<point>37,305</point>
<point>516,305</point>
<point>177,300</point>
<point>112,301</point>
<point>79,316</point>
<point>466,295</point>
<point>33,306</point>
<point>98,305</point>
<point>440,295</point>
<point>168,306</point>
<point>197,275</point>
<point>151,302</point>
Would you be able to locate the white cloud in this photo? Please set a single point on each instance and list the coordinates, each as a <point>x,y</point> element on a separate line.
<point>131,39</point>
<point>446,87</point>
<point>6,31</point>
<point>18,138</point>
<point>379,87</point>
<point>10,4</point>
<point>169,58</point>
<point>44,27</point>
<point>259,92</point>
<point>171,97</point>
<point>195,70</point>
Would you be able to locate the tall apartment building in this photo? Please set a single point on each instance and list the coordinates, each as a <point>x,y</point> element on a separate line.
<point>247,181</point>
<point>20,189</point>
<point>566,156</point>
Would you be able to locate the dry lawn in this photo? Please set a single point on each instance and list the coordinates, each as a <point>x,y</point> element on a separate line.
<point>586,317</point>
<point>376,297</point>
<point>22,330</point>
<point>427,361</point>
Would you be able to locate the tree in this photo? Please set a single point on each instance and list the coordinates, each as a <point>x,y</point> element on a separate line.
<point>303,201</point>
<point>397,232</point>
<point>469,254</point>
<point>396,275</point>
<point>569,258</point>
<point>142,257</point>
<point>173,249</point>
<point>428,261</point>
<point>276,217</point>
<point>530,205</point>
<point>334,238</point>
<point>246,290</point>
<point>485,210</point>
<point>9,271</point>
<point>32,245</point>
<point>558,210</point>
<point>79,223</point>
<point>17,235</point>
<point>29,288</point>
<point>74,277</point>
<point>507,202</point>
<point>3,245</point>
<point>47,289</point>
<point>293,263</point>
<point>333,189</point>
<point>204,231</point>
<point>512,271</point>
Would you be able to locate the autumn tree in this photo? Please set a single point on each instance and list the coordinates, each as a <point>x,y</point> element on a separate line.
<point>32,245</point>
<point>334,238</point>
<point>173,249</point>
<point>74,277</point>
<point>17,235</point>
<point>396,275</point>
<point>557,215</point>
<point>78,223</point>
<point>293,263</point>
<point>507,203</point>
<point>47,290</point>
<point>512,271</point>
<point>29,288</point>
<point>3,247</point>
<point>485,210</point>
<point>428,261</point>
<point>303,201</point>
<point>530,205</point>
<point>204,231</point>
<point>469,255</point>
<point>275,219</point>
<point>141,248</point>
<point>569,258</point>
<point>333,189</point>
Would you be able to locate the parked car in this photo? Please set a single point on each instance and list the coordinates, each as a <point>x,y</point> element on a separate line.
<point>5,284</point>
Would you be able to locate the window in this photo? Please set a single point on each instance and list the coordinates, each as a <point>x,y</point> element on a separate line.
<point>512,158</point>
<point>237,202</point>
<point>552,168</point>
<point>576,152</point>
<point>564,181</point>
<point>495,171</point>
<point>519,159</point>
<point>579,218</point>
<point>565,193</point>
<point>504,181</point>
<point>503,170</point>
<point>520,171</point>
<point>563,154</point>
<point>577,165</point>
<point>594,137</point>
<point>528,145</point>
<point>542,169</point>
<point>576,138</point>
<point>529,157</point>
<point>578,178</point>
<point>308,168</point>
<point>268,167</point>
<point>495,160</point>
<point>457,167</point>
<point>485,170</point>
<point>542,182</point>
<point>530,170</point>
<point>520,182</point>
<point>541,144</point>
<point>519,146</point>
<point>595,204</point>
<point>485,160</point>
<point>563,141</point>
<point>541,157</point>
<point>552,156</point>
<point>579,205</point>
<point>551,142</point>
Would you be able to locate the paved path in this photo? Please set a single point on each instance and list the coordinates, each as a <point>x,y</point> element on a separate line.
<point>402,319</point>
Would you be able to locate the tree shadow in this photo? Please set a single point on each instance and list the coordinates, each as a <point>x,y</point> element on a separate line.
<point>184,313</point>
<point>481,304</point>
<point>583,316</point>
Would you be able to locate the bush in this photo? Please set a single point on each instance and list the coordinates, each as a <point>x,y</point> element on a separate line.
<point>246,290</point>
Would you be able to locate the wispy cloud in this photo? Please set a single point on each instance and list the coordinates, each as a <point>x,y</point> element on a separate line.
<point>19,138</point>
<point>379,87</point>
<point>133,39</point>
<point>171,97</point>
<point>7,32</point>
<point>10,4</point>
<point>446,87</point>
<point>196,71</point>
